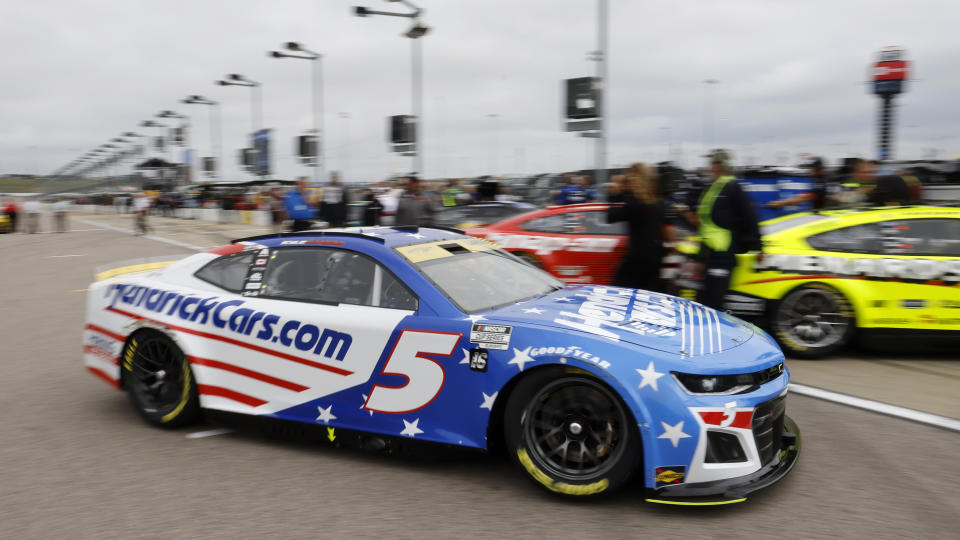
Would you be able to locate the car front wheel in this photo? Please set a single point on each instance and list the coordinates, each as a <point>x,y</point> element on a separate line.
<point>571,434</point>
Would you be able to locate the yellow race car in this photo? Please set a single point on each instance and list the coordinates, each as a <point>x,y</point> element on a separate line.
<point>826,276</point>
<point>5,225</point>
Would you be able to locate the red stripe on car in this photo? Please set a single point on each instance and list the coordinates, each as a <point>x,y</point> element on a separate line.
<point>208,390</point>
<point>216,364</point>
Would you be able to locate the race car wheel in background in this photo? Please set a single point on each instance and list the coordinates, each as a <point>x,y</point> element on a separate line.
<point>571,434</point>
<point>813,321</point>
<point>157,377</point>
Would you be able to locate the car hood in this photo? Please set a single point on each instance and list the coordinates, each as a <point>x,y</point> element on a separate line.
<point>656,321</point>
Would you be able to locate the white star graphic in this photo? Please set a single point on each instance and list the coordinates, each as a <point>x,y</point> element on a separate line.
<point>673,433</point>
<point>650,376</point>
<point>325,415</point>
<point>418,236</point>
<point>488,400</point>
<point>411,429</point>
<point>520,358</point>
<point>562,299</point>
<point>474,318</point>
<point>533,310</point>
<point>364,396</point>
<point>466,356</point>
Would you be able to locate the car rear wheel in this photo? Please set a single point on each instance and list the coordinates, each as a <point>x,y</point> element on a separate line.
<point>813,321</point>
<point>571,434</point>
<point>158,380</point>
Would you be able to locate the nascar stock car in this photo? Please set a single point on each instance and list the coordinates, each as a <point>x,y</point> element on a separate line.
<point>391,334</point>
<point>826,276</point>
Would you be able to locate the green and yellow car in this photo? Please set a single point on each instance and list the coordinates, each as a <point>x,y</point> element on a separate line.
<point>827,276</point>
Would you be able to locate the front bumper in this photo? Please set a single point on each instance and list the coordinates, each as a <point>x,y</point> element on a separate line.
<point>735,490</point>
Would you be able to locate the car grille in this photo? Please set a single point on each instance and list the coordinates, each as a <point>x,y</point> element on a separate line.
<point>767,427</point>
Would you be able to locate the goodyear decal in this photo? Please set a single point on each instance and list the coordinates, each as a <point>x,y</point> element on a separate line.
<point>560,487</point>
<point>231,315</point>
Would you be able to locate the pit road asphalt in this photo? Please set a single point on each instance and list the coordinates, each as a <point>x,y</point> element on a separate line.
<point>77,462</point>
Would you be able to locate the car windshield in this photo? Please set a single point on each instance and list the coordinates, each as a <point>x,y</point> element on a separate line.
<point>481,280</point>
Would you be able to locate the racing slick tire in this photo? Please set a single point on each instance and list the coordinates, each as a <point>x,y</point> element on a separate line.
<point>813,321</point>
<point>571,434</point>
<point>158,380</point>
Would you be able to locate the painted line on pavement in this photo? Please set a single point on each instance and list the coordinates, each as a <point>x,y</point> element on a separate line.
<point>913,415</point>
<point>149,236</point>
<point>208,433</point>
<point>62,256</point>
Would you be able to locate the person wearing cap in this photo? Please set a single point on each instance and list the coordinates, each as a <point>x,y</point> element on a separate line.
<point>727,225</point>
<point>822,190</point>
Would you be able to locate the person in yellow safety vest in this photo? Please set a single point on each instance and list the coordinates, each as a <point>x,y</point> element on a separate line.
<point>727,225</point>
<point>451,193</point>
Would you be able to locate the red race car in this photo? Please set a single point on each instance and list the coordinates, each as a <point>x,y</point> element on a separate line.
<point>574,243</point>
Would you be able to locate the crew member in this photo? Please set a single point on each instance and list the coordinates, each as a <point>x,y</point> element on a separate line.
<point>415,206</point>
<point>451,194</point>
<point>334,201</point>
<point>821,190</point>
<point>727,225</point>
<point>576,192</point>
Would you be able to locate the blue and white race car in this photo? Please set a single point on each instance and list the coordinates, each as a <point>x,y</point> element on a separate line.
<point>400,333</point>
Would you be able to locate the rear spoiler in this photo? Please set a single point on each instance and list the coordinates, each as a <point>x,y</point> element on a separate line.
<point>134,266</point>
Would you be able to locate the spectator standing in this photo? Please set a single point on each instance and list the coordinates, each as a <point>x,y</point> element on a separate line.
<point>32,210</point>
<point>451,194</point>
<point>334,201</point>
<point>275,207</point>
<point>12,210</point>
<point>415,206</point>
<point>297,208</point>
<point>373,209</point>
<point>141,207</point>
<point>643,208</point>
<point>576,192</point>
<point>60,208</point>
<point>727,225</point>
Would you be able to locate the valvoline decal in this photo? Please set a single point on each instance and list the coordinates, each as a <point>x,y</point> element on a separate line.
<point>230,314</point>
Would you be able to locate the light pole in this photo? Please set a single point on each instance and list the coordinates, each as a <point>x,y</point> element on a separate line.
<point>708,98</point>
<point>319,164</point>
<point>183,134</point>
<point>256,100</point>
<point>417,31</point>
<point>493,150</point>
<point>345,148</point>
<point>216,130</point>
<point>602,127</point>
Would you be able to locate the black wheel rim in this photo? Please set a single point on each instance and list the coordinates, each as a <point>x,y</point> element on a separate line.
<point>156,375</point>
<point>812,317</point>
<point>575,429</point>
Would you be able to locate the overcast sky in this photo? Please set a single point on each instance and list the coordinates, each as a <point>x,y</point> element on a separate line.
<point>76,73</point>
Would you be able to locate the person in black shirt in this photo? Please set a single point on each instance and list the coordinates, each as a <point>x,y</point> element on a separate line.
<point>821,190</point>
<point>643,209</point>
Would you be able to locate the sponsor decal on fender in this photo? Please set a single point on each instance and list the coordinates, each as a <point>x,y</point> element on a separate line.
<point>671,475</point>
<point>545,245</point>
<point>571,351</point>
<point>919,270</point>
<point>233,316</point>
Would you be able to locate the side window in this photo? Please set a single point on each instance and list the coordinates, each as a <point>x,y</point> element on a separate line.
<point>867,238</point>
<point>334,276</point>
<point>568,223</point>
<point>596,223</point>
<point>227,272</point>
<point>931,237</point>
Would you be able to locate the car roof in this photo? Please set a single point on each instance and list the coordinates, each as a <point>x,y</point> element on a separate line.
<point>856,216</point>
<point>388,236</point>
